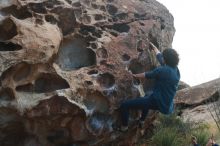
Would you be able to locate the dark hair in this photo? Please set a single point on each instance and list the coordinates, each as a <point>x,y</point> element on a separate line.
<point>171,57</point>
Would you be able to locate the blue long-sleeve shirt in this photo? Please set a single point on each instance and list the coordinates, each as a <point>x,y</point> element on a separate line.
<point>166,83</point>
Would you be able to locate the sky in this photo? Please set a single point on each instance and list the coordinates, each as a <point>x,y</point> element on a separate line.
<point>197,38</point>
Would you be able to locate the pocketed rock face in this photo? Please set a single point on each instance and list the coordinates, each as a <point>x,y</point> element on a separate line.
<point>64,68</point>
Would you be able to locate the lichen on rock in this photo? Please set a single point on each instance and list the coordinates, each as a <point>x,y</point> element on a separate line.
<point>65,68</point>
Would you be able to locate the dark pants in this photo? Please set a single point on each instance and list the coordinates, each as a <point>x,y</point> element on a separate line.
<point>141,103</point>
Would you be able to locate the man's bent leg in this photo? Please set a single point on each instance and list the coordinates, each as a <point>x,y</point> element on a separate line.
<point>150,104</point>
<point>137,103</point>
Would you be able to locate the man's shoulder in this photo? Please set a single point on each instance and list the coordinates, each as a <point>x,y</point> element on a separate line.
<point>168,72</point>
<point>167,69</point>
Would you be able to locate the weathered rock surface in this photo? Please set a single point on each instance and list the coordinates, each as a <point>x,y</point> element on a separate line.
<point>201,113</point>
<point>64,68</point>
<point>182,85</point>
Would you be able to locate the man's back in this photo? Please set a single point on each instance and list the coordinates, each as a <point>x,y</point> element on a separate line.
<point>165,88</point>
<point>167,79</point>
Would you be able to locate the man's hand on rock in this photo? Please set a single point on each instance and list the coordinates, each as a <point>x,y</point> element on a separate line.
<point>134,75</point>
<point>141,75</point>
<point>154,48</point>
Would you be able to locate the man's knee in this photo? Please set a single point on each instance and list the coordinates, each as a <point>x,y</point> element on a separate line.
<point>124,105</point>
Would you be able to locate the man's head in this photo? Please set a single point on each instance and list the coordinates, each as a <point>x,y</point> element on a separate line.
<point>171,57</point>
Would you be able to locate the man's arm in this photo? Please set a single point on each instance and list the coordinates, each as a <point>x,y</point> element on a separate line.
<point>150,74</point>
<point>154,48</point>
<point>158,54</point>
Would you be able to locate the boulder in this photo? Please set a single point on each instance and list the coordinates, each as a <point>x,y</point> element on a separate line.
<point>202,113</point>
<point>182,85</point>
<point>201,103</point>
<point>199,94</point>
<point>65,68</point>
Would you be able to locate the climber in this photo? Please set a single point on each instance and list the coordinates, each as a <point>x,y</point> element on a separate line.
<point>166,79</point>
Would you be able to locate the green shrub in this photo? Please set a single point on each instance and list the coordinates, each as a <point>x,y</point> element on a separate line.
<point>202,137</point>
<point>173,131</point>
<point>214,110</point>
<point>167,137</point>
<point>173,121</point>
<point>201,132</point>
